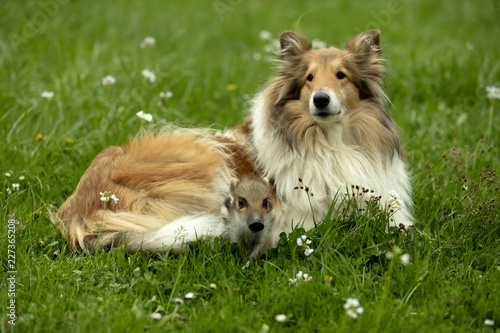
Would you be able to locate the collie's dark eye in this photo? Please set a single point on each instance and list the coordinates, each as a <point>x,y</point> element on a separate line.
<point>340,75</point>
<point>266,204</point>
<point>310,77</point>
<point>242,203</point>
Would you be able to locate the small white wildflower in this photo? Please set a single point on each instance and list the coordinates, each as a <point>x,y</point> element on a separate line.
<point>299,275</point>
<point>21,178</point>
<point>8,190</point>
<point>308,242</point>
<point>114,198</point>
<point>304,237</point>
<point>145,116</point>
<point>389,255</point>
<point>7,174</point>
<point>149,75</point>
<point>189,295</point>
<point>292,281</point>
<point>266,35</point>
<point>405,259</point>
<point>213,286</point>
<point>108,80</point>
<point>318,44</point>
<point>394,202</point>
<point>281,318</point>
<point>148,41</point>
<point>181,232</point>
<point>178,300</point>
<point>493,92</point>
<point>353,308</point>
<point>166,95</point>
<point>104,196</point>
<point>489,322</point>
<point>15,186</point>
<point>299,242</point>
<point>156,316</point>
<point>48,95</point>
<point>257,56</point>
<point>268,48</point>
<point>308,251</point>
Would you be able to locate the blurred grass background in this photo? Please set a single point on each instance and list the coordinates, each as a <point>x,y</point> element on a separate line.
<point>440,57</point>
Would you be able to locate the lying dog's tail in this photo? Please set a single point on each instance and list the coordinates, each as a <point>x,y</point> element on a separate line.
<point>169,237</point>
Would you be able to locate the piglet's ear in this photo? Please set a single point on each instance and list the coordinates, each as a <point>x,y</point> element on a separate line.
<point>293,44</point>
<point>367,42</point>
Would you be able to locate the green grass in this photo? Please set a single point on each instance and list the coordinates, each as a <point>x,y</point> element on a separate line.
<point>440,55</point>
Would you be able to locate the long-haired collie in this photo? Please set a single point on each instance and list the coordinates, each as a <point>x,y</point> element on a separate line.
<point>320,121</point>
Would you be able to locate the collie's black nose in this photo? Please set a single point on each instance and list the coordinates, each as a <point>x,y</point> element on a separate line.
<point>256,225</point>
<point>321,100</point>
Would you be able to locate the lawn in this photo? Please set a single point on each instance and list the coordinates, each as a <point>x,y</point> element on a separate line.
<point>441,56</point>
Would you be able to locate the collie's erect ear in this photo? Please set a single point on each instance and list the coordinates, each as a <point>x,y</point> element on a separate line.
<point>367,42</point>
<point>293,44</point>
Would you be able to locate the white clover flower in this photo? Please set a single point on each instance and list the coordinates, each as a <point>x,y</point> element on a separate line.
<point>156,316</point>
<point>108,80</point>
<point>281,318</point>
<point>48,95</point>
<point>308,251</point>
<point>405,259</point>
<point>493,92</point>
<point>148,41</point>
<point>7,174</point>
<point>15,186</point>
<point>318,44</point>
<point>353,308</point>
<point>21,178</point>
<point>189,295</point>
<point>114,198</point>
<point>489,322</point>
<point>149,75</point>
<point>145,116</point>
<point>266,35</point>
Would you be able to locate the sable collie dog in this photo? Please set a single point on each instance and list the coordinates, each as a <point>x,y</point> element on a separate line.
<point>321,119</point>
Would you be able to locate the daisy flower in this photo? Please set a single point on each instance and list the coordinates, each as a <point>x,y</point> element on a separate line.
<point>48,95</point>
<point>353,308</point>
<point>145,116</point>
<point>148,41</point>
<point>149,75</point>
<point>108,80</point>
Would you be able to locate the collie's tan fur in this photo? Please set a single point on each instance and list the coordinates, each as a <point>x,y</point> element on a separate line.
<point>321,118</point>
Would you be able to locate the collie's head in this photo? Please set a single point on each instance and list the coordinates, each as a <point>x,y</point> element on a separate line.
<point>314,90</point>
<point>331,81</point>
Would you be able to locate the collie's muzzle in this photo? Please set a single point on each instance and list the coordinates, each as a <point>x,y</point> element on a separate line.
<point>324,104</point>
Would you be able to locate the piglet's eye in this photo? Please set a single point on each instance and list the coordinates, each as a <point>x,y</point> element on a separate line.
<point>266,204</point>
<point>310,77</point>
<point>340,75</point>
<point>242,203</point>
